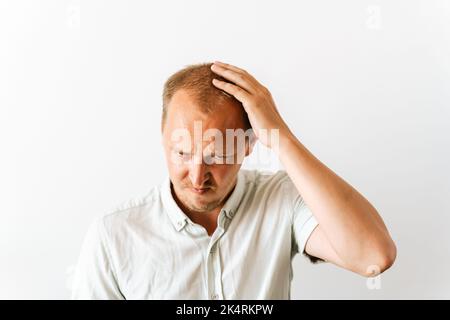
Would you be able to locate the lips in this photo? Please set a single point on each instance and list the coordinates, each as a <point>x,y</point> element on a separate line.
<point>199,191</point>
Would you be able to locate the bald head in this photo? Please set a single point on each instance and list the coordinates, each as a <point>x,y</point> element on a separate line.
<point>196,82</point>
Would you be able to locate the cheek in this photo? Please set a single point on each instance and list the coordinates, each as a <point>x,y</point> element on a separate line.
<point>179,172</point>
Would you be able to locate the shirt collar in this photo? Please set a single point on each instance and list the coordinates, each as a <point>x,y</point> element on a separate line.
<point>179,218</point>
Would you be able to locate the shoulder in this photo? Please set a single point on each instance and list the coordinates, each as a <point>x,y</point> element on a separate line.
<point>266,180</point>
<point>273,186</point>
<point>268,187</point>
<point>130,213</point>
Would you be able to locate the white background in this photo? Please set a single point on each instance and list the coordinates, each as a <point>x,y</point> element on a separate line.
<point>365,85</point>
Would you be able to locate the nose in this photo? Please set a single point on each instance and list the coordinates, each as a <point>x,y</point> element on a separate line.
<point>198,174</point>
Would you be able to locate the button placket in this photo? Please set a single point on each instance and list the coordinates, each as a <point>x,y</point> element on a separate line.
<point>214,296</point>
<point>213,264</point>
<point>218,273</point>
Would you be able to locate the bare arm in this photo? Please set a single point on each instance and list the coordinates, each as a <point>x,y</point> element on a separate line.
<point>351,233</point>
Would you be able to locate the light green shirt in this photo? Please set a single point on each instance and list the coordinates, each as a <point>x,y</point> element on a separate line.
<point>149,249</point>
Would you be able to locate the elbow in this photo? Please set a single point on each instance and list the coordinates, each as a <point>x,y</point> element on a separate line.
<point>380,261</point>
<point>387,258</point>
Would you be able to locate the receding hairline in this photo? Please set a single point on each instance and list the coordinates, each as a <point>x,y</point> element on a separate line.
<point>225,110</point>
<point>196,79</point>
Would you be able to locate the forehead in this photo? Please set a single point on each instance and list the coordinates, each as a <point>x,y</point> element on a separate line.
<point>184,111</point>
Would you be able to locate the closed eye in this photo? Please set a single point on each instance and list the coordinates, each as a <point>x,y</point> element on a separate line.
<point>182,153</point>
<point>221,155</point>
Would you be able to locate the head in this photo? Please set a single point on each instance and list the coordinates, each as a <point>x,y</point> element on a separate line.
<point>206,135</point>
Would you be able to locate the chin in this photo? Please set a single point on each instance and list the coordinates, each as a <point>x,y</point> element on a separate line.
<point>199,205</point>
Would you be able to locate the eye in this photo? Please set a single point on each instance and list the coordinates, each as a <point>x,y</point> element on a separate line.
<point>218,156</point>
<point>182,154</point>
<point>220,159</point>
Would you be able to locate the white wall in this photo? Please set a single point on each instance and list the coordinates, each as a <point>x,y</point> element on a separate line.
<point>365,85</point>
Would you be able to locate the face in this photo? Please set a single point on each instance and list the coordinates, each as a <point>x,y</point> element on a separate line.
<point>202,170</point>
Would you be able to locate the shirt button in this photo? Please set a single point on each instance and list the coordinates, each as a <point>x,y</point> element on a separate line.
<point>214,296</point>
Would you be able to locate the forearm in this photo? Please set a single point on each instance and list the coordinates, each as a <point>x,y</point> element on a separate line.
<point>351,224</point>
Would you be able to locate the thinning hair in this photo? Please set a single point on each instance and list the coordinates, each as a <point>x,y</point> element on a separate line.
<point>197,80</point>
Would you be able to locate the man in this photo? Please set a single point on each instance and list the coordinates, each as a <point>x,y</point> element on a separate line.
<point>213,231</point>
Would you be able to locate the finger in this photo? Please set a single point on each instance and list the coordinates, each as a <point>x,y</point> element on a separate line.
<point>229,66</point>
<point>237,78</point>
<point>239,93</point>
<point>238,70</point>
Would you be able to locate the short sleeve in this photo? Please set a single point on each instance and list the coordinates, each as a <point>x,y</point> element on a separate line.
<point>94,277</point>
<point>303,220</point>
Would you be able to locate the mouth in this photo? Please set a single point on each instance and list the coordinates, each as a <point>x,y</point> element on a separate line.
<point>199,191</point>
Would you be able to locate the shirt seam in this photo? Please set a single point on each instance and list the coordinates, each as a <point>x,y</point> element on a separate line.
<point>143,202</point>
